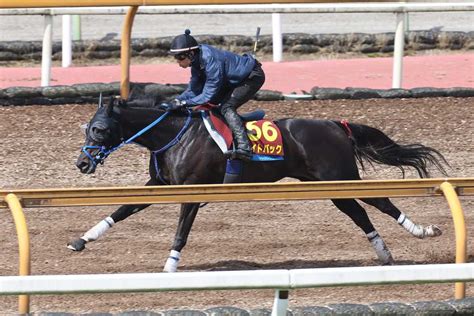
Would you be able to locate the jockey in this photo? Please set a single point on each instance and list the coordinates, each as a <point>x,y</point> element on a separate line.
<point>218,77</point>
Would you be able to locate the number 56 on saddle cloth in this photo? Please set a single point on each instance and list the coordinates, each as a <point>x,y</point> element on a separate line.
<point>265,137</point>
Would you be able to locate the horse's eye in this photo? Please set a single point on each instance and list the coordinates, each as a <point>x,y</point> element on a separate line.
<point>99,134</point>
<point>84,128</point>
<point>99,131</point>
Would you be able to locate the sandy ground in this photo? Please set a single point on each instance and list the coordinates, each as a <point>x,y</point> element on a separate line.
<point>39,145</point>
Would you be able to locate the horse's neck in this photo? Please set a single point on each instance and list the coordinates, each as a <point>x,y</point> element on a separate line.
<point>136,120</point>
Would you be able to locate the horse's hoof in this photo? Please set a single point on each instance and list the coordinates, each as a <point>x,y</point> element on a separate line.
<point>390,262</point>
<point>433,231</point>
<point>77,245</point>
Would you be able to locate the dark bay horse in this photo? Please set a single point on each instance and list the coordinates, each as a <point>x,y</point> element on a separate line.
<point>182,152</point>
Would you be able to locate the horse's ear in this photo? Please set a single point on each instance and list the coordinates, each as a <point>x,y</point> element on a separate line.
<point>101,104</point>
<point>110,106</point>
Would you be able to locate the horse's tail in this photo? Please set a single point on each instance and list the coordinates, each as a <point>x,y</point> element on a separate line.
<point>372,145</point>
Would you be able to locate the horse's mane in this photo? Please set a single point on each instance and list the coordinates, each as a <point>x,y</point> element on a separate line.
<point>139,99</point>
<point>142,99</point>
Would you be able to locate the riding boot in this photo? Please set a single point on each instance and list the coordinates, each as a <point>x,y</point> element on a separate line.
<point>243,150</point>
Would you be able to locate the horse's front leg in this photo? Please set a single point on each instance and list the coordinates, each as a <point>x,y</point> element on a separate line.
<point>104,225</point>
<point>186,220</point>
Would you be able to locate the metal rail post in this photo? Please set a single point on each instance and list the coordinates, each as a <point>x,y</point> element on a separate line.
<point>277,37</point>
<point>125,52</point>
<point>23,247</point>
<point>398,51</point>
<point>280,304</point>
<point>460,232</point>
<point>67,41</point>
<point>47,52</point>
<point>76,28</point>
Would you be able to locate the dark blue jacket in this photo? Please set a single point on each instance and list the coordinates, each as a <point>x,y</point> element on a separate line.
<point>213,70</point>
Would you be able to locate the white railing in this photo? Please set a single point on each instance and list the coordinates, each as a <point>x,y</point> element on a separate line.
<point>280,280</point>
<point>275,9</point>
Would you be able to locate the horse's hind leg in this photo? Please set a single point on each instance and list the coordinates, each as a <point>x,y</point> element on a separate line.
<point>186,220</point>
<point>387,207</point>
<point>358,214</point>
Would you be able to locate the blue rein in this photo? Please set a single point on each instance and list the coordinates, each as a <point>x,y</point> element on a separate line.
<point>104,152</point>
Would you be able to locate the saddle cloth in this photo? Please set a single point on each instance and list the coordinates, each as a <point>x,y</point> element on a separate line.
<point>264,136</point>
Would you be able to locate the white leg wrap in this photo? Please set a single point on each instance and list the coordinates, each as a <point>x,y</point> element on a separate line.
<point>381,249</point>
<point>98,230</point>
<point>172,261</point>
<point>418,230</point>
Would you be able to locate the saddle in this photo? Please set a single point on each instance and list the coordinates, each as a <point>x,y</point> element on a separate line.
<point>264,135</point>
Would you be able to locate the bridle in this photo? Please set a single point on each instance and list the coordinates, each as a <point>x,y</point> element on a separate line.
<point>104,152</point>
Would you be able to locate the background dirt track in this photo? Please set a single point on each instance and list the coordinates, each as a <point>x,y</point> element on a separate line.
<point>39,145</point>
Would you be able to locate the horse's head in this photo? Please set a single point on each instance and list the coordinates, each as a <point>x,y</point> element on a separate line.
<point>103,133</point>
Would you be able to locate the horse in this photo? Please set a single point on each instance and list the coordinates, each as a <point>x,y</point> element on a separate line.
<point>183,153</point>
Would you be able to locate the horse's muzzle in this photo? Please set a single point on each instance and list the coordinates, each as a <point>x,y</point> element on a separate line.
<point>85,165</point>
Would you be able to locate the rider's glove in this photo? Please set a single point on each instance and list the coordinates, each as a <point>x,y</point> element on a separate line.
<point>118,101</point>
<point>173,105</point>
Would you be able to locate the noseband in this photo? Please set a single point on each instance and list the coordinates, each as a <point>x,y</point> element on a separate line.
<point>99,157</point>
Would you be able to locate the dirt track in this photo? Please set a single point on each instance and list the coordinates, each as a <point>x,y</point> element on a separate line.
<point>39,145</point>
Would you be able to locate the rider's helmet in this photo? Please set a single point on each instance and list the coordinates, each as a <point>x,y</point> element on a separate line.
<point>183,44</point>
